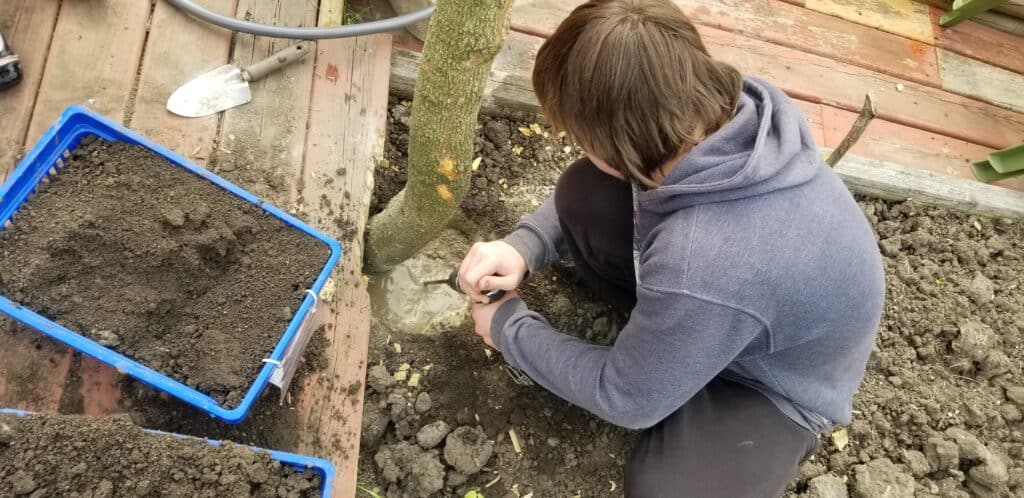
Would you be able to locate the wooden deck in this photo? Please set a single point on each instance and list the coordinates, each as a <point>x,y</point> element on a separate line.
<point>945,97</point>
<point>325,114</point>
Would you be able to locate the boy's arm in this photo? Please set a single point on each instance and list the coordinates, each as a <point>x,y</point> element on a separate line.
<point>673,345</point>
<point>539,238</point>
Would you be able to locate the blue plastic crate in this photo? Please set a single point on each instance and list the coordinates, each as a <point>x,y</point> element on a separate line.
<point>300,462</point>
<point>46,158</point>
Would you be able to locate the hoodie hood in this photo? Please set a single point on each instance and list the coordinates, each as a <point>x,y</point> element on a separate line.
<point>767,146</point>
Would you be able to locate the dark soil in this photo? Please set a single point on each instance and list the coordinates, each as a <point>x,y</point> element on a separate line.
<point>54,455</point>
<point>159,265</point>
<point>939,413</point>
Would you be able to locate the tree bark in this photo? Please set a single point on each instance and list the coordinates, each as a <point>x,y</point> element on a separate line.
<point>464,37</point>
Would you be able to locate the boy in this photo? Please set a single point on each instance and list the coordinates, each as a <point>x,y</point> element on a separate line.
<point>752,279</point>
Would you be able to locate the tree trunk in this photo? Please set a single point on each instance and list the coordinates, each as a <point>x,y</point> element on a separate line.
<point>463,39</point>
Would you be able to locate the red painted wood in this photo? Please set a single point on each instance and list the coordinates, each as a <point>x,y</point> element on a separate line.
<point>981,42</point>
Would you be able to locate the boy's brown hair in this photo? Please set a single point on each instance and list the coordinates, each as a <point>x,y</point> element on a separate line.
<point>631,82</point>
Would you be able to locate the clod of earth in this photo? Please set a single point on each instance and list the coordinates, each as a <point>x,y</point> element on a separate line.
<point>1015,394</point>
<point>379,379</point>
<point>982,290</point>
<point>468,450</point>
<point>416,472</point>
<point>881,477</point>
<point>432,434</point>
<point>826,486</point>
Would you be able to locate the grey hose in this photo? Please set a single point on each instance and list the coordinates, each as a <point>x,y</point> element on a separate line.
<point>318,33</point>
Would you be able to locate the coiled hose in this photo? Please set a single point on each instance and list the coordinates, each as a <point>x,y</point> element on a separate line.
<point>311,33</point>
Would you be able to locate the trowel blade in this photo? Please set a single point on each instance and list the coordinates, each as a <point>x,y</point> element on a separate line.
<point>210,93</point>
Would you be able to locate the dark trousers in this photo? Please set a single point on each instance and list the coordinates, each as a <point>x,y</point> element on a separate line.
<point>728,440</point>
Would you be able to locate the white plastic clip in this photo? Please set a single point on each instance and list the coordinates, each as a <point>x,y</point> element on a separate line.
<point>272,362</point>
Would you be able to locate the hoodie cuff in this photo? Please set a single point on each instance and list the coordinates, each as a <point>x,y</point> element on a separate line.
<point>530,246</point>
<point>501,317</point>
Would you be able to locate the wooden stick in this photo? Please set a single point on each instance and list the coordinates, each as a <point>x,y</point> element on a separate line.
<point>867,113</point>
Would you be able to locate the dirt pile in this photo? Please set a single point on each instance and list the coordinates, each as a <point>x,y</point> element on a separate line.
<point>939,412</point>
<point>71,456</point>
<point>160,265</point>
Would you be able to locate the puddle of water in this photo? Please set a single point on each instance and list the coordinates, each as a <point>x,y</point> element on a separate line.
<point>401,302</point>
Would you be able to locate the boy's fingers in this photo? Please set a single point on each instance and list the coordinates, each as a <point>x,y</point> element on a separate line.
<point>493,282</point>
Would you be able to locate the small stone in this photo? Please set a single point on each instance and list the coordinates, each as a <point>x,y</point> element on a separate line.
<point>375,424</point>
<point>107,338</point>
<point>891,247</point>
<point>1009,412</point>
<point>1015,394</point>
<point>826,486</point>
<point>981,290</point>
<point>423,403</point>
<point>22,483</point>
<point>942,454</point>
<point>431,435</point>
<point>969,445</point>
<point>916,462</point>
<point>456,479</point>
<point>810,470</point>
<point>881,478</point>
<point>174,216</point>
<point>974,341</point>
<point>379,379</point>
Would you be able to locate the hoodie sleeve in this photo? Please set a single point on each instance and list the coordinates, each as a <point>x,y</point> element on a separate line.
<point>538,237</point>
<point>674,344</point>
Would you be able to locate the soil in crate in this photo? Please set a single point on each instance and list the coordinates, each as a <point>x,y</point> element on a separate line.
<point>159,265</point>
<point>59,455</point>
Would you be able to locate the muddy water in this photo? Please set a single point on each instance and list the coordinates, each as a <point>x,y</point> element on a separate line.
<point>402,302</point>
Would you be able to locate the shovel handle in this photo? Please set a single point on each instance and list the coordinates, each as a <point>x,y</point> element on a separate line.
<point>277,61</point>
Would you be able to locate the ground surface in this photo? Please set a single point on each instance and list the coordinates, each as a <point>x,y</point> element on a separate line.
<point>160,265</point>
<point>939,413</point>
<point>58,455</point>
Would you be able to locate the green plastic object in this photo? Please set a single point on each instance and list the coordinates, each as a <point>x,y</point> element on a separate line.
<point>1000,165</point>
<point>966,9</point>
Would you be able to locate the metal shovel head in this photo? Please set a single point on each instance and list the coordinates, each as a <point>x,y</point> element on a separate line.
<point>215,91</point>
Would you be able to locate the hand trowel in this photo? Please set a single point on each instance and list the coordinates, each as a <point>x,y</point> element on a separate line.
<point>228,85</point>
<point>453,282</point>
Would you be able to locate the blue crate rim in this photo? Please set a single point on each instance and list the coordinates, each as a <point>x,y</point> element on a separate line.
<point>300,462</point>
<point>81,122</point>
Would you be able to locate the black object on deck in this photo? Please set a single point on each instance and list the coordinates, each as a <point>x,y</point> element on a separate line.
<point>10,66</point>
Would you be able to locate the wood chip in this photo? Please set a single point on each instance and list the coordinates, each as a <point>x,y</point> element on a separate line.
<point>535,127</point>
<point>493,482</point>
<point>515,441</point>
<point>488,353</point>
<point>405,366</point>
<point>841,438</point>
<point>476,163</point>
<point>899,87</point>
<point>398,348</point>
<point>414,380</point>
<point>401,375</point>
<point>613,487</point>
<point>517,150</point>
<point>525,131</point>
<point>528,495</point>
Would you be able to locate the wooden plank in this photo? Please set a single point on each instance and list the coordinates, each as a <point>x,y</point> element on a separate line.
<point>819,79</point>
<point>261,143</point>
<point>100,387</point>
<point>906,18</point>
<point>93,60</point>
<point>891,181</point>
<point>167,65</point>
<point>345,140</point>
<point>803,76</point>
<point>33,369</point>
<point>780,23</point>
<point>918,149</point>
<point>981,42</point>
<point>815,120</point>
<point>27,25</point>
<point>996,85</point>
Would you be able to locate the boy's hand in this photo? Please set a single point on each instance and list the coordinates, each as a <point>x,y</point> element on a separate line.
<point>490,266</point>
<point>483,315</point>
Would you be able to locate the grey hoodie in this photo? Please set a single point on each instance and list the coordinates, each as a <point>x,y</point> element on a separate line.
<point>755,264</point>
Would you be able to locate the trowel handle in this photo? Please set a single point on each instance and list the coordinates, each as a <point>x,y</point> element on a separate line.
<point>277,61</point>
<point>492,295</point>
